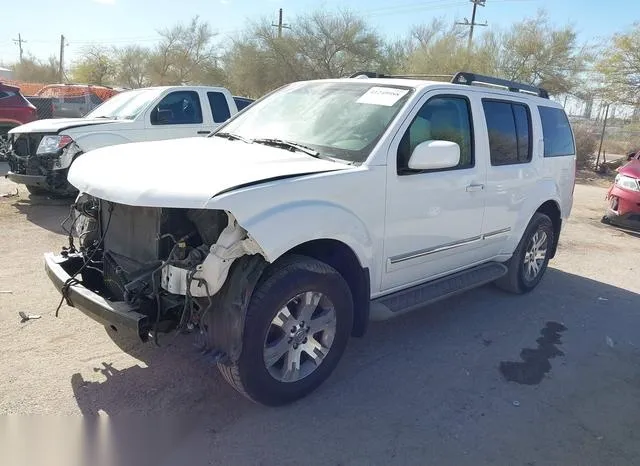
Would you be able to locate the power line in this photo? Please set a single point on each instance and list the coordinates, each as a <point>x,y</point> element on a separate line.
<point>473,23</point>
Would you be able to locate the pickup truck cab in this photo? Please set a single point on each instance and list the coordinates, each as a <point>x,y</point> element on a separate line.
<point>42,151</point>
<point>322,206</point>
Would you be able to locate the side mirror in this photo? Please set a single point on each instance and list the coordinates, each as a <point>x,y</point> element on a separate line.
<point>435,155</point>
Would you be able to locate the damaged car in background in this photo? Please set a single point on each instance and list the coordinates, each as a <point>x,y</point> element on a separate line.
<point>320,207</point>
<point>624,196</point>
<point>42,151</point>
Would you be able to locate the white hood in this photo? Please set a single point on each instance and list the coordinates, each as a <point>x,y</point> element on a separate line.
<point>57,124</point>
<point>185,173</point>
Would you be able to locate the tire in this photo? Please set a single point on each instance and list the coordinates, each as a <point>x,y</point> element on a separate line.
<point>519,277</point>
<point>281,291</point>
<point>37,191</point>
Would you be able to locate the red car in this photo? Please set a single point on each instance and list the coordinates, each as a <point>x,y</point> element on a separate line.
<point>624,196</point>
<point>15,110</point>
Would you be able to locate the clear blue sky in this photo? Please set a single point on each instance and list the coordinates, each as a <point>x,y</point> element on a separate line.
<point>119,22</point>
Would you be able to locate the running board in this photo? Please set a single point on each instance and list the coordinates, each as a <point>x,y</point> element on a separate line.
<point>420,296</point>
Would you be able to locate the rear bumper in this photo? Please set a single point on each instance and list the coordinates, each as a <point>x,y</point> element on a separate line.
<point>117,315</point>
<point>29,180</point>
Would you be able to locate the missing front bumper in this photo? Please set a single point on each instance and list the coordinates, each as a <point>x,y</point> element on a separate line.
<point>117,315</point>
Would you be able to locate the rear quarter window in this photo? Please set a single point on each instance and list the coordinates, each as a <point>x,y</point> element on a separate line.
<point>219,106</point>
<point>556,131</point>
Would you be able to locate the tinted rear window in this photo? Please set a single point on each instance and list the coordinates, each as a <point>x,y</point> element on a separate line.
<point>558,138</point>
<point>509,126</point>
<point>219,106</point>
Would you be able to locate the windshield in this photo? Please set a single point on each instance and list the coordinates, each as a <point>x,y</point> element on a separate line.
<point>342,120</point>
<point>125,106</point>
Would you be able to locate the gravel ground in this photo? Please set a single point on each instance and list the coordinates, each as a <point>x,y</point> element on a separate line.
<point>426,388</point>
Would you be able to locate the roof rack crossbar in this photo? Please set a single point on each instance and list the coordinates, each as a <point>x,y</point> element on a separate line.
<point>372,74</point>
<point>463,77</point>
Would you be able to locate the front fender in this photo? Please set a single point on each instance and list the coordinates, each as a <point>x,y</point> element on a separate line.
<point>281,228</point>
<point>91,141</point>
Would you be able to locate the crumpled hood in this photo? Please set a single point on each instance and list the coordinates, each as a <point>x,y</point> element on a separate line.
<point>631,168</point>
<point>57,124</point>
<point>185,173</point>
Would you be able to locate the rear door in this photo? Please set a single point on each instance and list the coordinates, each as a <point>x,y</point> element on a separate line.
<point>179,114</point>
<point>513,171</point>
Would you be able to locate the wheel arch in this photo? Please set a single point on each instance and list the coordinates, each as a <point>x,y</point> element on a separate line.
<point>342,258</point>
<point>551,209</point>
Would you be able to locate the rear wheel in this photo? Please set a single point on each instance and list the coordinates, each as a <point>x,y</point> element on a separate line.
<point>296,330</point>
<point>530,259</point>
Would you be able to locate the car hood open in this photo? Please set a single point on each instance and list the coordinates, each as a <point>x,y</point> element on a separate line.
<point>185,173</point>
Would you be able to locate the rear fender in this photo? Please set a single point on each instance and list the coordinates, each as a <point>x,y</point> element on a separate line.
<point>546,190</point>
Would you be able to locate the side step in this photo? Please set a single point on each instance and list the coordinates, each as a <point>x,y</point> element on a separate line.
<point>419,296</point>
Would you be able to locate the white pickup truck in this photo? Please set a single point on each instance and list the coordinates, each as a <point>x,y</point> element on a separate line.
<point>42,151</point>
<point>324,205</point>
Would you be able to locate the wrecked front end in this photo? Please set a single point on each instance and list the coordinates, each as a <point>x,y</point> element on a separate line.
<point>41,161</point>
<point>147,271</point>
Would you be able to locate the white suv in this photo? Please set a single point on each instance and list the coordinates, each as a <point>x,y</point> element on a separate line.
<point>322,206</point>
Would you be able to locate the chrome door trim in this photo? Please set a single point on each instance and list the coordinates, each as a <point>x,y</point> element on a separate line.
<point>433,250</point>
<point>446,247</point>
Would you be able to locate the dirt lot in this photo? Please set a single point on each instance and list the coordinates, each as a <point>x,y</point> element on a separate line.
<point>423,389</point>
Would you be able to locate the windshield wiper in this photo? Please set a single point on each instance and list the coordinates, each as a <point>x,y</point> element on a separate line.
<point>288,145</point>
<point>232,137</point>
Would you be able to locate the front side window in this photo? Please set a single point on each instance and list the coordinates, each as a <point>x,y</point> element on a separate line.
<point>558,137</point>
<point>178,108</point>
<point>445,118</point>
<point>509,127</point>
<point>340,120</point>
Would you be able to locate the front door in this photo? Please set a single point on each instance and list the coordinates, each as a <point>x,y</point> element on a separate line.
<point>434,218</point>
<point>178,115</point>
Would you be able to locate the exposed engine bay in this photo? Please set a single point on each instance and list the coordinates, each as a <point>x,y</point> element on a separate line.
<point>171,265</point>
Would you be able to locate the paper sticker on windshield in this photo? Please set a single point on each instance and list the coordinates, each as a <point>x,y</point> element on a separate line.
<point>386,96</point>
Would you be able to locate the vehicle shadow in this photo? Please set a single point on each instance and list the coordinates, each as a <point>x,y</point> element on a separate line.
<point>436,370</point>
<point>46,212</point>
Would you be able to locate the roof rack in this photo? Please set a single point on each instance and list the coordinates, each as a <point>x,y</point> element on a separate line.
<point>465,78</point>
<point>371,74</point>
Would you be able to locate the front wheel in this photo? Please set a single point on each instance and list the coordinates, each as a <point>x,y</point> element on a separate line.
<point>530,259</point>
<point>296,330</point>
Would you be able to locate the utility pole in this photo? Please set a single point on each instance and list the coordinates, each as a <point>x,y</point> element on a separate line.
<point>473,23</point>
<point>61,70</point>
<point>19,41</point>
<point>280,24</point>
<point>604,128</point>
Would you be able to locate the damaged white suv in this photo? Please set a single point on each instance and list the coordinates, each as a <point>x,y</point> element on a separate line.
<point>323,206</point>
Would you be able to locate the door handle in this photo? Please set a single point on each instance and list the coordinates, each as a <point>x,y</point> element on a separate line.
<point>204,132</point>
<point>475,187</point>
